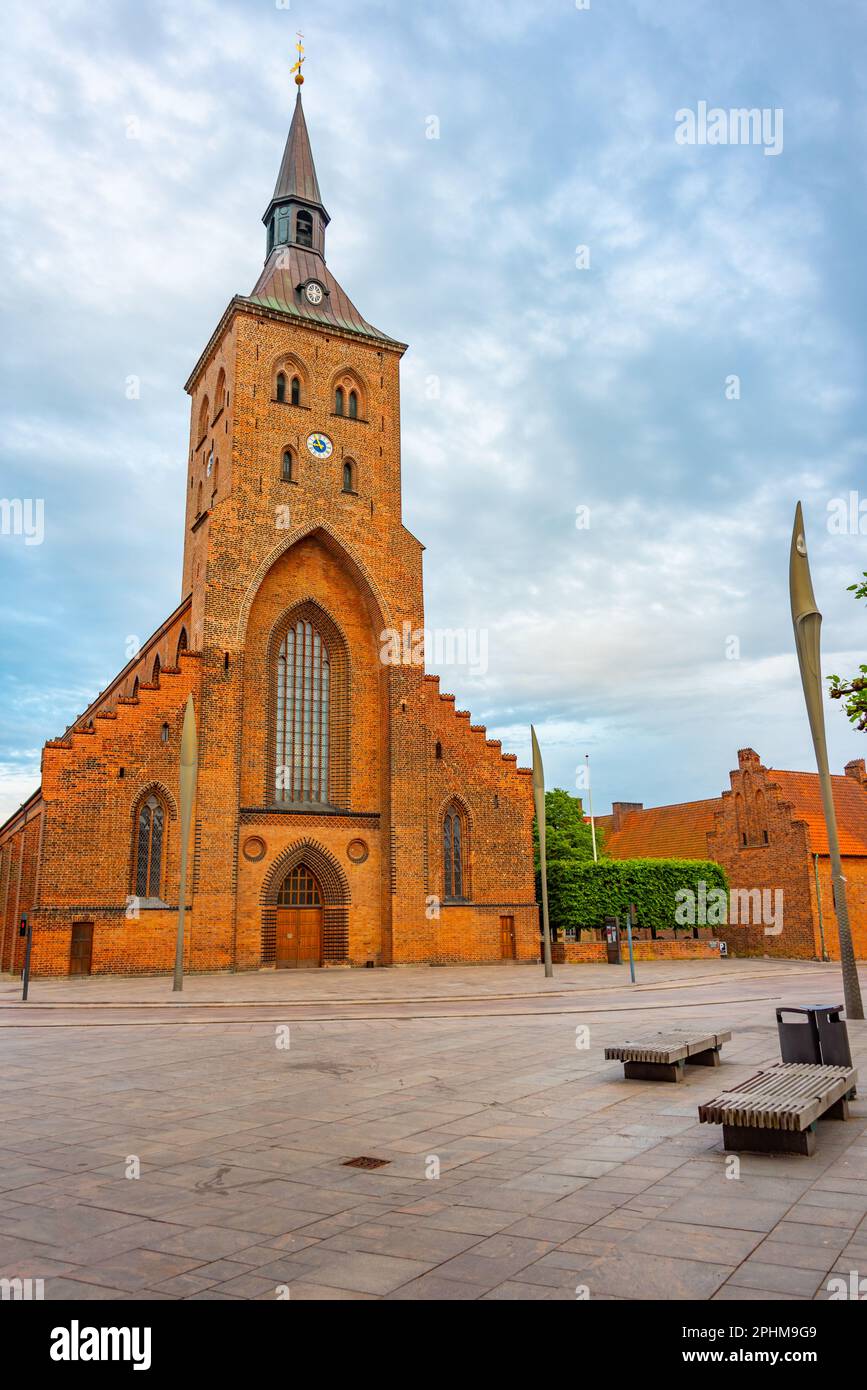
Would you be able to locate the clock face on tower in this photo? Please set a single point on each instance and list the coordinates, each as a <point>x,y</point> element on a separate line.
<point>313,292</point>
<point>320,446</point>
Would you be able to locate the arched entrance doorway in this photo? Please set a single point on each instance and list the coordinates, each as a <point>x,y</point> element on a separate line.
<point>299,921</point>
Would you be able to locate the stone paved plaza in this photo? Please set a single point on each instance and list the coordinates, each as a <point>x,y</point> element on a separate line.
<point>554,1171</point>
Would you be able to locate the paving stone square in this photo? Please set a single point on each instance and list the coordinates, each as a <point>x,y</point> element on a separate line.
<point>160,1147</point>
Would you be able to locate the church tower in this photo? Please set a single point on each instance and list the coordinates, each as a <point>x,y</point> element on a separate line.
<point>346,813</point>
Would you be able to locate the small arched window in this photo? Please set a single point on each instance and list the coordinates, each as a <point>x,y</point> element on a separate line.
<point>220,397</point>
<point>182,645</point>
<point>282,221</point>
<point>338,401</point>
<point>281,386</point>
<point>203,420</point>
<point>304,228</point>
<point>438,749</point>
<point>164,734</point>
<point>149,849</point>
<point>353,405</point>
<point>295,391</point>
<point>155,677</point>
<point>349,476</point>
<point>135,689</point>
<point>453,854</point>
<point>288,473</point>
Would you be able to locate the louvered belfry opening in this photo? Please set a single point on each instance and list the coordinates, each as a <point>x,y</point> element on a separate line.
<point>303,707</point>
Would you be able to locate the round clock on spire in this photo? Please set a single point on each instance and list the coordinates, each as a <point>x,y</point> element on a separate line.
<point>313,292</point>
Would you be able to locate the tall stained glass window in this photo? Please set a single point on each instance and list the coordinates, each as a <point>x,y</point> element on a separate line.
<point>453,855</point>
<point>149,849</point>
<point>303,690</point>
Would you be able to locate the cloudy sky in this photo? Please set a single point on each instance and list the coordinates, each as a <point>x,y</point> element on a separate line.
<point>141,142</point>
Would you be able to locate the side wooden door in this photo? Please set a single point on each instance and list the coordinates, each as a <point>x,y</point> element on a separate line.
<point>81,950</point>
<point>507,938</point>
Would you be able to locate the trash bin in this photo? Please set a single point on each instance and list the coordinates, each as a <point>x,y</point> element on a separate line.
<point>823,1039</point>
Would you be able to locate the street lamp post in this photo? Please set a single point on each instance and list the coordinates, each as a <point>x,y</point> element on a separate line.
<point>189,770</point>
<point>539,799</point>
<point>807,622</point>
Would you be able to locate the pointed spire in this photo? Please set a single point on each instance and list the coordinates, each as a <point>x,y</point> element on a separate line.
<point>297,177</point>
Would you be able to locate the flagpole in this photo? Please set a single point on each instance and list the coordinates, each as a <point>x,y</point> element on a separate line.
<point>590,805</point>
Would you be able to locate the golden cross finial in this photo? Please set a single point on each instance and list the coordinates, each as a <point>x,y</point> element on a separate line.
<point>296,67</point>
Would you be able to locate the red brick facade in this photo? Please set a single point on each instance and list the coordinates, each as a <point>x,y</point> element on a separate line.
<point>768,832</point>
<point>275,536</point>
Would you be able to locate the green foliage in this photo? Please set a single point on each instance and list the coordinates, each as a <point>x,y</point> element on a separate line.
<point>854,690</point>
<point>567,834</point>
<point>582,894</point>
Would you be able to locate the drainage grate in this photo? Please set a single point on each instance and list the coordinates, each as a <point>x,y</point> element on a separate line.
<point>365,1162</point>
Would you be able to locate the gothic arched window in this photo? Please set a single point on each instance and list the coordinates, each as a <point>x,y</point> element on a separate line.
<point>453,853</point>
<point>300,888</point>
<point>353,405</point>
<point>155,677</point>
<point>304,228</point>
<point>349,476</point>
<point>338,401</point>
<point>288,473</point>
<point>149,849</point>
<point>182,645</point>
<point>281,386</point>
<point>302,709</point>
<point>295,393</point>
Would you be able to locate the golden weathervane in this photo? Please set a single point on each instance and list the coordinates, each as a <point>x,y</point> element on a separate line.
<point>296,67</point>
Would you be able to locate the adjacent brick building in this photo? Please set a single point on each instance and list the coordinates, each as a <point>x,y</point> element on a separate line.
<point>768,832</point>
<point>347,812</point>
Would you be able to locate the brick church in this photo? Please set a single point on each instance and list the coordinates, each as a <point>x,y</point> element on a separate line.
<point>347,813</point>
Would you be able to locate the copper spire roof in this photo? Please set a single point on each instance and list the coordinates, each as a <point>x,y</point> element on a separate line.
<point>294,261</point>
<point>297,176</point>
<point>286,268</point>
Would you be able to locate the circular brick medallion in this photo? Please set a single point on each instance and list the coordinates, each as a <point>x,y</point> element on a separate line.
<point>254,849</point>
<point>357,851</point>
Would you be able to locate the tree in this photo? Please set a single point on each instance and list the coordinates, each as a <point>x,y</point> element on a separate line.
<point>567,834</point>
<point>853,691</point>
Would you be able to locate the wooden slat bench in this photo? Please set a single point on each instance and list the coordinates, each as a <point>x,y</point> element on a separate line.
<point>661,1056</point>
<point>776,1110</point>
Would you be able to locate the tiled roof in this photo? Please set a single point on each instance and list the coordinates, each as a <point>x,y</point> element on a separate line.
<point>286,268</point>
<point>663,832</point>
<point>850,803</point>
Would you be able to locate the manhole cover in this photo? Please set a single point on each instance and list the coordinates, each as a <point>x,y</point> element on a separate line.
<point>365,1162</point>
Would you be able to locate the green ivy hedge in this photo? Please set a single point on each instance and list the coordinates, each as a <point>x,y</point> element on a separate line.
<point>582,894</point>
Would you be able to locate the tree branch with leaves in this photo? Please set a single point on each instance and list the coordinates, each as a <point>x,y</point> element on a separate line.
<point>854,690</point>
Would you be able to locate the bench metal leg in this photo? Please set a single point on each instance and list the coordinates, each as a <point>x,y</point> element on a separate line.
<point>709,1058</point>
<point>653,1071</point>
<point>754,1140</point>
